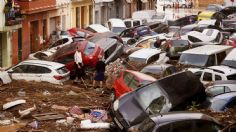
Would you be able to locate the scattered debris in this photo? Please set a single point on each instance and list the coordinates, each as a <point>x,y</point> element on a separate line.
<point>12,128</point>
<point>57,107</point>
<point>75,111</point>
<point>70,120</point>
<point>48,116</point>
<point>27,111</point>
<point>87,124</point>
<point>34,124</point>
<point>72,93</point>
<point>21,93</point>
<point>5,122</point>
<point>46,93</point>
<point>98,115</point>
<point>13,103</point>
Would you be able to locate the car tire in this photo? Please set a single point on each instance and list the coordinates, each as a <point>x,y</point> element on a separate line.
<point>168,6</point>
<point>1,83</point>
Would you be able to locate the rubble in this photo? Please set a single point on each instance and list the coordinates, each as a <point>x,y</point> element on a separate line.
<point>27,111</point>
<point>13,103</point>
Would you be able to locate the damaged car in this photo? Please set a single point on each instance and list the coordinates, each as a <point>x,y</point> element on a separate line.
<point>148,55</point>
<point>180,122</point>
<point>37,70</point>
<point>164,95</point>
<point>112,49</point>
<point>130,80</point>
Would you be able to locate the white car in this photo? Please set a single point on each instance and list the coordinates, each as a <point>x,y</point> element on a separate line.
<point>214,73</point>
<point>211,36</point>
<point>97,28</point>
<point>37,70</point>
<point>149,16</point>
<point>148,55</point>
<point>42,55</point>
<point>115,25</point>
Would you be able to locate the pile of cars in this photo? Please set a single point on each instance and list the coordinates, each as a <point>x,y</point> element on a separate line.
<point>151,93</point>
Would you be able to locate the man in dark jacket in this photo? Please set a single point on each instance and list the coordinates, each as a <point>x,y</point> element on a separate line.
<point>100,72</point>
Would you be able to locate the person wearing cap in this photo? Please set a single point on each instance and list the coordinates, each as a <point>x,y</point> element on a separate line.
<point>78,65</point>
<point>100,71</point>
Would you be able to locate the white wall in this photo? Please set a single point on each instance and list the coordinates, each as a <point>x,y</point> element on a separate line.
<point>2,15</point>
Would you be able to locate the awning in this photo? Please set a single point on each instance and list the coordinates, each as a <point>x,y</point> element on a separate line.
<point>99,1</point>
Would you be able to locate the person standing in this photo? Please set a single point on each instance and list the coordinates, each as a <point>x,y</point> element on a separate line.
<point>100,72</point>
<point>157,43</point>
<point>79,70</point>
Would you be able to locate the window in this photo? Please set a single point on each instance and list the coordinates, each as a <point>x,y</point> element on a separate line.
<point>182,126</point>
<point>221,56</point>
<point>66,59</point>
<point>136,23</point>
<point>193,39</point>
<point>218,37</point>
<point>20,69</point>
<point>164,128</point>
<point>206,126</point>
<point>211,60</point>
<point>37,69</point>
<point>153,58</point>
<point>218,77</point>
<point>198,74</point>
<point>89,48</point>
<point>126,33</point>
<point>128,24</point>
<point>217,90</point>
<point>110,50</point>
<point>207,76</point>
<point>232,77</point>
<point>62,70</point>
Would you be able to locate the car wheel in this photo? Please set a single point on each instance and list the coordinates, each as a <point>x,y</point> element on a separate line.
<point>168,6</point>
<point>1,82</point>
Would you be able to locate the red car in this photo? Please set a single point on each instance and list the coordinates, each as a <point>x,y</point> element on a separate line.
<point>129,81</point>
<point>231,42</point>
<point>65,55</point>
<point>77,32</point>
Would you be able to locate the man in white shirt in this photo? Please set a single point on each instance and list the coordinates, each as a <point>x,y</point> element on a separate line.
<point>78,64</point>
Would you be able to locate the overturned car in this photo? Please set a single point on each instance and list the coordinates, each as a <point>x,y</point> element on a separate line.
<point>171,93</point>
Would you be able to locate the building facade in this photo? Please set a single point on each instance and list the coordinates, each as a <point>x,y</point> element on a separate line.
<point>10,25</point>
<point>42,18</point>
<point>81,13</point>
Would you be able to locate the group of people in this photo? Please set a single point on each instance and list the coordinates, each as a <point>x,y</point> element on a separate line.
<point>99,74</point>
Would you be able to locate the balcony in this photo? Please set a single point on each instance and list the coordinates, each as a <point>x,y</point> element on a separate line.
<point>62,2</point>
<point>32,6</point>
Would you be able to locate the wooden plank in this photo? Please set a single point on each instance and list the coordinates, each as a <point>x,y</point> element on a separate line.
<point>48,116</point>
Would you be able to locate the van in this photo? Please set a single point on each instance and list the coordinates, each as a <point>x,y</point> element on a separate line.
<point>134,22</point>
<point>204,56</point>
<point>115,25</point>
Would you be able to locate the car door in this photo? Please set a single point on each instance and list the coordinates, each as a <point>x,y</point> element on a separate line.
<point>45,74</point>
<point>32,73</point>
<point>123,84</point>
<point>17,72</point>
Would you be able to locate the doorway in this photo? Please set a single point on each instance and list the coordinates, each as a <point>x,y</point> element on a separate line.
<point>34,36</point>
<point>20,45</point>
<point>1,42</point>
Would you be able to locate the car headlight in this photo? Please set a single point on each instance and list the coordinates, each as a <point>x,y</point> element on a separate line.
<point>116,105</point>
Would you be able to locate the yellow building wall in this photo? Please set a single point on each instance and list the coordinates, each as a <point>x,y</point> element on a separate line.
<point>204,3</point>
<point>83,7</point>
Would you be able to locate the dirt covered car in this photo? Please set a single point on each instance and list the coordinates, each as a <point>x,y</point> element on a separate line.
<point>172,93</point>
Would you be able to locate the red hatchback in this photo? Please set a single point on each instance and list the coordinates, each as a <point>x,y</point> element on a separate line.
<point>129,81</point>
<point>65,54</point>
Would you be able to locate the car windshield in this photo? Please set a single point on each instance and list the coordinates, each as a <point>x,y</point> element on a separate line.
<point>231,63</point>
<point>118,30</point>
<point>179,43</point>
<point>151,97</point>
<point>89,48</point>
<point>193,59</point>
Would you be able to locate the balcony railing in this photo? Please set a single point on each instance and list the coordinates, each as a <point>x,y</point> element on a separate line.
<point>12,14</point>
<point>62,2</point>
<point>33,5</point>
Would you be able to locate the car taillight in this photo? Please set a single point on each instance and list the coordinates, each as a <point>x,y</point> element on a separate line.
<point>58,77</point>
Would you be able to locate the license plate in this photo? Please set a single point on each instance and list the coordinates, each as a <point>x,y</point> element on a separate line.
<point>118,123</point>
